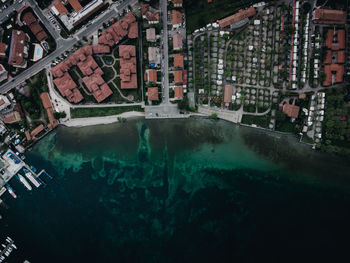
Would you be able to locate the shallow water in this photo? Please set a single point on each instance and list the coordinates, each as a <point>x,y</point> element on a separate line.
<point>179,191</point>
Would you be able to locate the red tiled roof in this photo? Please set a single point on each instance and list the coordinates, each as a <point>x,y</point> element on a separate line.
<point>340,44</point>
<point>339,71</point>
<point>60,7</point>
<point>291,110</point>
<point>152,75</point>
<point>88,66</point>
<point>97,86</point>
<point>176,17</point>
<point>178,92</point>
<point>178,61</point>
<point>178,76</point>
<point>3,50</point>
<point>133,30</point>
<point>12,118</point>
<point>17,48</point>
<point>28,18</point>
<point>101,49</point>
<point>341,57</point>
<point>41,36</point>
<point>27,135</point>
<point>153,93</point>
<point>328,59</point>
<point>242,14</point>
<point>75,4</point>
<point>329,16</point>
<point>45,99</point>
<point>37,130</point>
<point>68,88</point>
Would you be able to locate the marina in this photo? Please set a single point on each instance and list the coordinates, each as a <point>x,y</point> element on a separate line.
<point>12,165</point>
<point>6,249</point>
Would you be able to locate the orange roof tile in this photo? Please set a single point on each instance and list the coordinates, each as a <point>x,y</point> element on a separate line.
<point>228,93</point>
<point>178,92</point>
<point>329,16</point>
<point>16,56</point>
<point>178,61</point>
<point>178,76</point>
<point>242,14</point>
<point>176,17</point>
<point>37,130</point>
<point>291,110</point>
<point>75,4</point>
<point>60,7</point>
<point>153,93</point>
<point>152,73</point>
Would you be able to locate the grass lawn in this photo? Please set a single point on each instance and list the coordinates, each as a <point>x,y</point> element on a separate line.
<point>261,121</point>
<point>285,126</point>
<point>199,12</point>
<point>100,112</point>
<point>108,73</point>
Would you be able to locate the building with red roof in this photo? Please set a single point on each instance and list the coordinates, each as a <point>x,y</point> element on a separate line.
<point>12,117</point>
<point>152,75</point>
<point>178,61</point>
<point>61,9</point>
<point>341,57</point>
<point>329,16</point>
<point>68,88</point>
<point>241,15</point>
<point>291,110</point>
<point>178,90</point>
<point>45,99</point>
<point>34,26</point>
<point>334,74</point>
<point>176,18</point>
<point>37,130</point>
<point>153,94</point>
<point>228,94</point>
<point>128,76</point>
<point>3,48</point>
<point>149,13</point>
<point>116,32</point>
<point>18,55</point>
<point>178,76</point>
<point>3,74</point>
<point>76,5</point>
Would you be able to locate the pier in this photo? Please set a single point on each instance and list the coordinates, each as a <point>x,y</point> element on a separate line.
<point>7,249</point>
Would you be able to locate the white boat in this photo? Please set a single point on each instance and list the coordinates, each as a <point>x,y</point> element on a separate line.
<point>32,179</point>
<point>24,182</point>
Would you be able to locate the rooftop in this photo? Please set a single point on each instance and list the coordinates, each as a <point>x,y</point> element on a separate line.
<point>153,93</point>
<point>242,14</point>
<point>291,110</point>
<point>329,16</point>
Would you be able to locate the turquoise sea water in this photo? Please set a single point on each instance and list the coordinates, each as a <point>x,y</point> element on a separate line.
<point>180,191</point>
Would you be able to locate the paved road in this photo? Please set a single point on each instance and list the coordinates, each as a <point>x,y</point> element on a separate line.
<point>9,10</point>
<point>165,61</point>
<point>62,46</point>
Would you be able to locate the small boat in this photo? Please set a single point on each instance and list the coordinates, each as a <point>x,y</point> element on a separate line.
<point>24,182</point>
<point>31,178</point>
<point>11,191</point>
<point>14,246</point>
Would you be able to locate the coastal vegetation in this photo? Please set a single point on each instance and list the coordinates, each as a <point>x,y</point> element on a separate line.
<point>337,123</point>
<point>102,111</point>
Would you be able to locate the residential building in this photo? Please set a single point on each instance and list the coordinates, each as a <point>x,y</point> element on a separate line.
<point>3,48</point>
<point>76,5</point>
<point>178,61</point>
<point>152,75</point>
<point>153,55</point>
<point>116,32</point>
<point>177,42</point>
<point>151,34</point>
<point>58,8</point>
<point>128,76</point>
<point>37,130</point>
<point>329,16</point>
<point>149,13</point>
<point>13,117</point>
<point>176,18</point>
<point>291,110</point>
<point>178,76</point>
<point>34,26</point>
<point>45,99</point>
<point>18,49</point>
<point>4,102</point>
<point>152,94</point>
<point>236,18</point>
<point>68,88</point>
<point>3,73</point>
<point>178,90</point>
